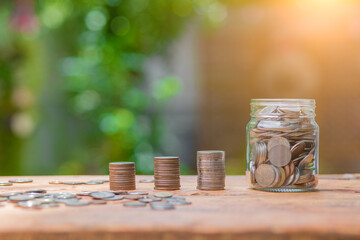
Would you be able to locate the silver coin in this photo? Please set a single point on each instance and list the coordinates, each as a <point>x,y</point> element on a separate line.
<point>180,202</point>
<point>5,184</point>
<point>134,204</point>
<point>146,180</point>
<point>73,183</point>
<point>10,194</point>
<point>20,198</point>
<point>3,199</point>
<point>20,180</point>
<point>45,200</point>
<point>146,200</point>
<point>102,195</point>
<point>161,206</point>
<point>36,191</point>
<point>138,193</point>
<point>176,198</point>
<point>155,198</point>
<point>83,194</point>
<point>28,204</point>
<point>64,195</point>
<point>35,195</point>
<point>94,182</point>
<point>114,198</point>
<point>163,195</point>
<point>49,205</point>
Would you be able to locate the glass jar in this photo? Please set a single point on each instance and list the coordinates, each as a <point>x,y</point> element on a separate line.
<point>282,145</point>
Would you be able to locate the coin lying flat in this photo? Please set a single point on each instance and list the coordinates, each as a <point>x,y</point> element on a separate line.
<point>138,193</point>
<point>133,197</point>
<point>102,195</point>
<point>73,183</point>
<point>146,200</point>
<point>5,184</point>
<point>3,199</point>
<point>134,204</point>
<point>182,202</point>
<point>83,194</point>
<point>36,191</point>
<point>20,180</point>
<point>95,182</point>
<point>20,198</point>
<point>161,206</point>
<point>55,182</point>
<point>64,195</point>
<point>49,205</point>
<point>114,198</point>
<point>163,195</point>
<point>29,204</point>
<point>146,180</point>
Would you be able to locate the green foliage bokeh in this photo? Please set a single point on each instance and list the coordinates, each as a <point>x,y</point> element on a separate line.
<point>72,95</point>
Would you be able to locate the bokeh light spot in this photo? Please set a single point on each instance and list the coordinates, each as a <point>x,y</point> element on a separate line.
<point>120,120</point>
<point>87,101</point>
<point>166,88</point>
<point>95,20</point>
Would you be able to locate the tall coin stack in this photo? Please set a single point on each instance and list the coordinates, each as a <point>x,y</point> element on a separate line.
<point>167,173</point>
<point>211,170</point>
<point>122,176</point>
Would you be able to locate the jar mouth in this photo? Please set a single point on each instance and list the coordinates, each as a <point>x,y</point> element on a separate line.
<point>283,102</point>
<point>268,107</point>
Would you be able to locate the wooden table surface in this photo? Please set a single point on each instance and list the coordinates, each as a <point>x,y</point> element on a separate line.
<point>236,213</point>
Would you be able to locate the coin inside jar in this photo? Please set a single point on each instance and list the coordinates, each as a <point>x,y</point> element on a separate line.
<point>265,175</point>
<point>279,155</point>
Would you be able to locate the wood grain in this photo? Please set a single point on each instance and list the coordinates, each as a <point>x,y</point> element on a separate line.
<point>333,212</point>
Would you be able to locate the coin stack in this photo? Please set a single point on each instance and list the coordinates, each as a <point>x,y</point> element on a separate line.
<point>167,173</point>
<point>211,170</point>
<point>122,176</point>
<point>283,150</point>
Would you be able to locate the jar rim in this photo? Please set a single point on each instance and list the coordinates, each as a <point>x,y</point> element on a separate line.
<point>283,101</point>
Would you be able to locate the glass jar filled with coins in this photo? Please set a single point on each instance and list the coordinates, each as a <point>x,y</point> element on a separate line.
<point>282,145</point>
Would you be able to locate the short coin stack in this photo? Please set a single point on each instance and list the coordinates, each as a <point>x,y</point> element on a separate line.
<point>211,170</point>
<point>122,176</point>
<point>167,173</point>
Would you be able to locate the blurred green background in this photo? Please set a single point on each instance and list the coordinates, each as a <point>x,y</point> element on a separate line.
<point>84,83</point>
<point>72,95</point>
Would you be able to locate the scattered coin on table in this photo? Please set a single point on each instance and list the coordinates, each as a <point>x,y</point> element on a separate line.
<point>5,184</point>
<point>55,182</point>
<point>102,195</point>
<point>114,198</point>
<point>94,182</point>
<point>20,180</point>
<point>36,191</point>
<point>163,195</point>
<point>137,193</point>
<point>73,183</point>
<point>146,180</point>
<point>161,206</point>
